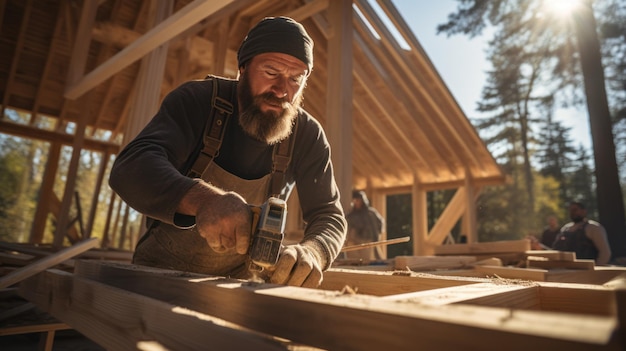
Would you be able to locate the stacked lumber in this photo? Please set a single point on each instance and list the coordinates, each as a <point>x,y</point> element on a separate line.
<point>21,261</point>
<point>509,251</point>
<point>519,262</point>
<point>123,306</point>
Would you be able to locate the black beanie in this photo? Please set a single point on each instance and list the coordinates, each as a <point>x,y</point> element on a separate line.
<point>277,34</point>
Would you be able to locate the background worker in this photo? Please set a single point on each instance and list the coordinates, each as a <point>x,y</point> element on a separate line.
<point>365,225</point>
<point>203,223</point>
<point>585,237</point>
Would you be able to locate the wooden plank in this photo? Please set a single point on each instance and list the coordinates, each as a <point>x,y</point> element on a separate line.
<point>47,262</point>
<point>419,216</point>
<point>336,321</point>
<point>426,263</point>
<point>33,328</point>
<point>149,79</point>
<point>17,310</point>
<point>619,285</point>
<point>308,9</point>
<point>448,218</point>
<point>117,319</point>
<point>80,51</point>
<point>598,276</point>
<point>551,264</point>
<point>485,294</point>
<point>339,87</point>
<point>577,298</point>
<point>389,283</point>
<point>191,14</point>
<point>552,254</point>
<point>15,258</point>
<point>483,248</point>
<point>545,296</point>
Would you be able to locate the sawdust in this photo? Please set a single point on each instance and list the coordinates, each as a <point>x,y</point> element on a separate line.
<point>495,279</point>
<point>347,290</point>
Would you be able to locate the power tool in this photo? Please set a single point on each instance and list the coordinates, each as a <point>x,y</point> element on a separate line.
<point>268,226</point>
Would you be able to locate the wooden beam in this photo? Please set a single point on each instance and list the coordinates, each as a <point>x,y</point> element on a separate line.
<point>46,193</point>
<point>166,30</point>
<point>421,114</point>
<point>220,48</point>
<point>34,328</point>
<point>419,217</point>
<point>149,80</point>
<point>72,173</point>
<point>80,51</point>
<point>427,263</point>
<point>484,294</point>
<point>390,283</point>
<point>446,221</point>
<point>119,320</point>
<point>52,137</point>
<point>335,320</point>
<point>47,262</point>
<point>454,135</point>
<point>60,20</point>
<point>339,94</point>
<point>484,248</point>
<point>309,9</point>
<point>19,47</point>
<point>470,226</point>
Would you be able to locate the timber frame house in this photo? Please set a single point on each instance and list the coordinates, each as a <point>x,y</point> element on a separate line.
<point>103,66</point>
<point>100,68</point>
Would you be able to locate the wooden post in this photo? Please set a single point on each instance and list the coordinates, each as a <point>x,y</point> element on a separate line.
<point>148,87</point>
<point>339,94</point>
<point>45,194</point>
<point>70,184</point>
<point>470,228</point>
<point>419,218</point>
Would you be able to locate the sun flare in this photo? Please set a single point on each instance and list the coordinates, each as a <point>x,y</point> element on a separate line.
<point>561,8</point>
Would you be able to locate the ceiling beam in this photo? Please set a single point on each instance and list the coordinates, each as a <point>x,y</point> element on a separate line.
<point>168,29</point>
<point>30,132</point>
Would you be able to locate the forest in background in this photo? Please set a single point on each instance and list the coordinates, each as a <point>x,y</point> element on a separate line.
<point>533,73</point>
<point>536,68</point>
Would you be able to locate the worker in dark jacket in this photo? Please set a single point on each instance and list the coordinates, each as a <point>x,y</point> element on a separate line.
<point>365,225</point>
<point>586,237</point>
<point>202,223</point>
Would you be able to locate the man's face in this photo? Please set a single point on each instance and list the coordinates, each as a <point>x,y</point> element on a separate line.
<point>576,213</point>
<point>270,92</point>
<point>357,203</point>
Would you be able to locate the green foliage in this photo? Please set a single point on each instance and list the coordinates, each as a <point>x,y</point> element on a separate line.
<point>399,224</point>
<point>9,180</point>
<point>535,68</point>
<point>22,166</point>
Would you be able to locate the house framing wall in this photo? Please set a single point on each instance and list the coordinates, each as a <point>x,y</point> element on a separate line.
<point>121,306</point>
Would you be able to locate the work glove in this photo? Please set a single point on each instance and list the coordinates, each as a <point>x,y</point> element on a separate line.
<point>225,222</point>
<point>299,265</point>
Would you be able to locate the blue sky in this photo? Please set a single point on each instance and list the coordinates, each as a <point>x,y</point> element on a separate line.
<point>461,62</point>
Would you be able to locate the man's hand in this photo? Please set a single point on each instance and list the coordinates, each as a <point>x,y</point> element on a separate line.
<point>298,265</point>
<point>225,222</point>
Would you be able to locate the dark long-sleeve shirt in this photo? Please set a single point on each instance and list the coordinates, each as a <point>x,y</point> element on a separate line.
<point>149,173</point>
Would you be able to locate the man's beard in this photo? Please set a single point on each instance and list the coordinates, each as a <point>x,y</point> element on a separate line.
<point>577,219</point>
<point>271,127</point>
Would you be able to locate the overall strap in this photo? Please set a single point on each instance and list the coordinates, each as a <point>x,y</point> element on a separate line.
<point>280,162</point>
<point>221,109</point>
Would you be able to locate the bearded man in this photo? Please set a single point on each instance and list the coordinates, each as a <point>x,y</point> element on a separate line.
<point>197,201</point>
<point>586,237</point>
